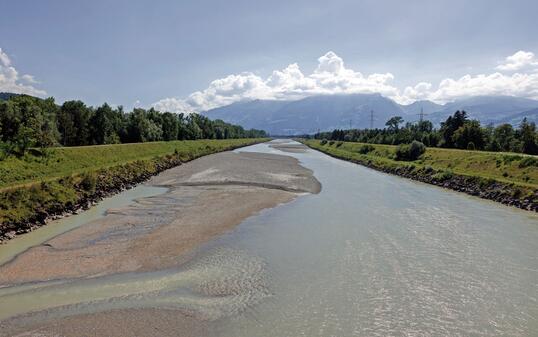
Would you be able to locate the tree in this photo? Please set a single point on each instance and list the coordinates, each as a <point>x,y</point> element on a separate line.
<point>106,124</point>
<point>425,126</point>
<point>528,137</point>
<point>73,123</point>
<point>503,135</point>
<point>29,121</point>
<point>470,132</point>
<point>450,126</point>
<point>394,123</point>
<point>170,126</point>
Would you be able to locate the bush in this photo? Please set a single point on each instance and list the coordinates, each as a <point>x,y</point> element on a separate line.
<point>331,142</point>
<point>410,152</point>
<point>471,146</point>
<point>528,161</point>
<point>444,175</point>
<point>323,141</point>
<point>89,182</point>
<point>364,149</point>
<point>339,144</point>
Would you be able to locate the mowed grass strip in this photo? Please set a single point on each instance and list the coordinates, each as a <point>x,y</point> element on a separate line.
<point>59,162</point>
<point>511,168</point>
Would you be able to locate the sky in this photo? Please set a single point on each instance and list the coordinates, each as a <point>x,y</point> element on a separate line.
<point>185,56</point>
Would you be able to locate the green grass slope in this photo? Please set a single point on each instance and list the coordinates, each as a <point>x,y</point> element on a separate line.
<point>64,161</point>
<point>41,185</point>
<point>505,177</point>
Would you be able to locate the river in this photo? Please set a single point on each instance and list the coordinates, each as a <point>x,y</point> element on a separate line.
<point>370,255</point>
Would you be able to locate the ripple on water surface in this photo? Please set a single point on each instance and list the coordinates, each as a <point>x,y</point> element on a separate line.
<point>220,283</point>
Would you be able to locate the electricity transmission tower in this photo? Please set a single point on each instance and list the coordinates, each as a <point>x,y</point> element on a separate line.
<point>421,115</point>
<point>371,119</point>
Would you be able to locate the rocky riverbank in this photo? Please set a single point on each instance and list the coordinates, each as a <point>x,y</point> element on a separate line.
<point>508,194</point>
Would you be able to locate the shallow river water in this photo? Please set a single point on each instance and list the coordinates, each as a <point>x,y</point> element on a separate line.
<point>370,255</point>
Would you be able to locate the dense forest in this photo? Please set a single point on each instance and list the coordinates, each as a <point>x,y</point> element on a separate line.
<point>27,122</point>
<point>458,131</point>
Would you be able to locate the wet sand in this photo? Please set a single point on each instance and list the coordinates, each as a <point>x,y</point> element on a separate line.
<point>206,197</point>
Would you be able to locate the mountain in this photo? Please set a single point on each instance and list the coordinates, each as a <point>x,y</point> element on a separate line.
<point>4,96</point>
<point>516,119</point>
<point>308,115</point>
<point>427,107</point>
<point>487,109</point>
<point>328,112</point>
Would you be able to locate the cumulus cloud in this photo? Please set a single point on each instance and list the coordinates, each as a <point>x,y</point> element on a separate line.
<point>332,77</point>
<point>10,81</point>
<point>521,85</point>
<point>173,105</point>
<point>520,60</point>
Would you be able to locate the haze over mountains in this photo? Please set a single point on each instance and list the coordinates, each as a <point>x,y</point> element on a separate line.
<point>327,112</point>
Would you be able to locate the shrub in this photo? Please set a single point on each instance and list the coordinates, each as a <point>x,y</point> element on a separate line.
<point>471,146</point>
<point>364,149</point>
<point>507,159</point>
<point>411,151</point>
<point>339,144</point>
<point>323,141</point>
<point>89,182</point>
<point>331,142</point>
<point>528,161</point>
<point>444,175</point>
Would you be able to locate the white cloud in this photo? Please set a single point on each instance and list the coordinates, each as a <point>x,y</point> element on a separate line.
<point>521,85</point>
<point>10,81</point>
<point>520,60</point>
<point>29,79</point>
<point>173,105</point>
<point>332,77</point>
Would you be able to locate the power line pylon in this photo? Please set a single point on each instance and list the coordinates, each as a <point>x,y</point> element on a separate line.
<point>421,115</point>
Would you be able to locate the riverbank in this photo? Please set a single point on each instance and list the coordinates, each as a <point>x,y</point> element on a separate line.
<point>506,178</point>
<point>42,187</point>
<point>156,237</point>
<point>205,197</point>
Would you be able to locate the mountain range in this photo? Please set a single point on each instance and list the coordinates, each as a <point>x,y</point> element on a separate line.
<point>327,112</point>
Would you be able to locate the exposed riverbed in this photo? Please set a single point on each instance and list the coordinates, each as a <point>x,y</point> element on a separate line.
<point>370,255</point>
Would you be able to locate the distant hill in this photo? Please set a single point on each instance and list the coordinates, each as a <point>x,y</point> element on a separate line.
<point>307,115</point>
<point>427,107</point>
<point>327,112</point>
<point>516,119</point>
<point>4,96</point>
<point>487,109</point>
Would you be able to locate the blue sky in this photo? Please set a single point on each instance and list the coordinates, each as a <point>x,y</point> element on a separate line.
<point>124,52</point>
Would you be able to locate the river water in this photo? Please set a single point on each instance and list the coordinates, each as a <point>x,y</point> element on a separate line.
<point>371,255</point>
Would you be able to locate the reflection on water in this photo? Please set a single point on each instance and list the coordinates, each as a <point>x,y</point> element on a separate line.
<point>371,255</point>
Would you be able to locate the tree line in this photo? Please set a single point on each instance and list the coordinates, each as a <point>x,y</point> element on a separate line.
<point>457,131</point>
<point>27,122</point>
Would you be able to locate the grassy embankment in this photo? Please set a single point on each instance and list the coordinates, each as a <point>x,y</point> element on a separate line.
<point>504,177</point>
<point>39,185</point>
